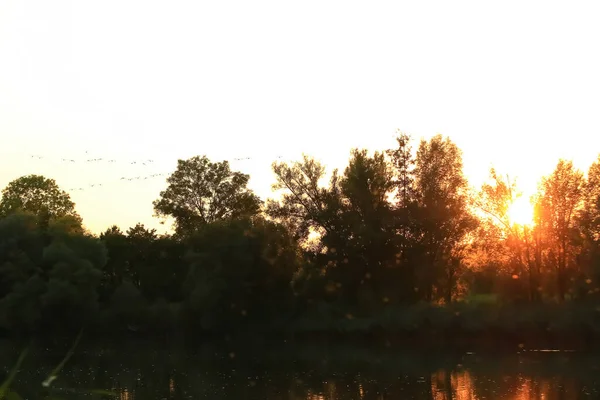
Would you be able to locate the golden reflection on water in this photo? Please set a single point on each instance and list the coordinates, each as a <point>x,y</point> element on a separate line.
<point>125,395</point>
<point>461,385</point>
<point>452,386</point>
<point>329,392</point>
<point>440,385</point>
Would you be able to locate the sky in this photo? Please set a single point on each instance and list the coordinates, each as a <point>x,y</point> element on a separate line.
<point>516,84</point>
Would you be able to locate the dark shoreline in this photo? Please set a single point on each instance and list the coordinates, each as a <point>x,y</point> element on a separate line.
<point>461,342</point>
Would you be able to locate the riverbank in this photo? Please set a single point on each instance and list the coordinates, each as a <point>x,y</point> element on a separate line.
<point>461,325</point>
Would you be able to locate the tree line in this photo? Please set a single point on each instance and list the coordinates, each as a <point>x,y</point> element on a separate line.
<point>395,230</point>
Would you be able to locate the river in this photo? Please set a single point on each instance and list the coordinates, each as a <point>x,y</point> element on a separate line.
<point>147,371</point>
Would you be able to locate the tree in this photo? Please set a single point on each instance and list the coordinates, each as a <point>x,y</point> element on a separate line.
<point>403,162</point>
<point>368,239</point>
<point>38,195</point>
<point>499,243</point>
<point>305,206</point>
<point>240,271</point>
<point>201,192</point>
<point>151,263</point>
<point>591,200</point>
<point>559,202</point>
<point>354,260</point>
<point>589,223</point>
<point>127,304</point>
<point>406,211</point>
<point>140,242</point>
<point>117,266</point>
<point>50,276</point>
<point>442,195</point>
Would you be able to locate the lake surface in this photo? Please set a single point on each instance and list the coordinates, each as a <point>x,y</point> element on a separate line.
<point>143,370</point>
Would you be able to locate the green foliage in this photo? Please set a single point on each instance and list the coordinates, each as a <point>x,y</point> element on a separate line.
<point>240,272</point>
<point>53,273</point>
<point>127,303</point>
<point>117,265</point>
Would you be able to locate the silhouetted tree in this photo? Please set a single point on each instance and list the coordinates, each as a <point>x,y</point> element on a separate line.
<point>353,219</point>
<point>500,243</point>
<point>442,196</point>
<point>117,266</point>
<point>403,162</point>
<point>240,273</point>
<point>305,206</point>
<point>140,242</point>
<point>560,200</point>
<point>366,245</point>
<point>406,211</point>
<point>589,224</point>
<point>38,195</point>
<point>369,238</point>
<point>200,192</point>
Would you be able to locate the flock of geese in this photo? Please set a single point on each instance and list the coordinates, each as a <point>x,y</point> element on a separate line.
<point>111,161</point>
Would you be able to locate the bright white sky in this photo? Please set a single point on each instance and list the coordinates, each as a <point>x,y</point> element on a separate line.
<point>515,84</point>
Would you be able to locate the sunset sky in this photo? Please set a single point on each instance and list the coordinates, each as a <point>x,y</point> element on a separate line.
<point>516,84</point>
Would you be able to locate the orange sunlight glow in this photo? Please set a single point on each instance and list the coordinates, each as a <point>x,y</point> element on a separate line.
<point>520,212</point>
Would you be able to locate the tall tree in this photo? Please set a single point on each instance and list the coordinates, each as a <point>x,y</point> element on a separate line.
<point>305,206</point>
<point>560,200</point>
<point>403,162</point>
<point>200,192</point>
<point>589,221</point>
<point>442,194</point>
<point>38,195</point>
<point>140,242</point>
<point>405,209</point>
<point>501,242</point>
<point>355,221</point>
<point>589,216</point>
<point>311,212</point>
<point>369,240</point>
<point>117,266</point>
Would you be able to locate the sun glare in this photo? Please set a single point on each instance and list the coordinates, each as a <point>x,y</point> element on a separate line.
<point>520,212</point>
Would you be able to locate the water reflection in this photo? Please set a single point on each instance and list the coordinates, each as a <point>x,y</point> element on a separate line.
<point>148,373</point>
<point>464,385</point>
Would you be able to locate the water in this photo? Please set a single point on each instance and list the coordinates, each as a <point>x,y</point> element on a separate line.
<point>309,372</point>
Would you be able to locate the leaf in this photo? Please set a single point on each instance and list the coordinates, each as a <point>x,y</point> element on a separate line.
<point>13,373</point>
<point>13,396</point>
<point>56,370</point>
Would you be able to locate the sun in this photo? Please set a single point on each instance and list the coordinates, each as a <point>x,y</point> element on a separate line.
<point>520,212</point>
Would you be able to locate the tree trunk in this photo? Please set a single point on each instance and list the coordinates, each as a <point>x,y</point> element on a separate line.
<point>450,281</point>
<point>562,261</point>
